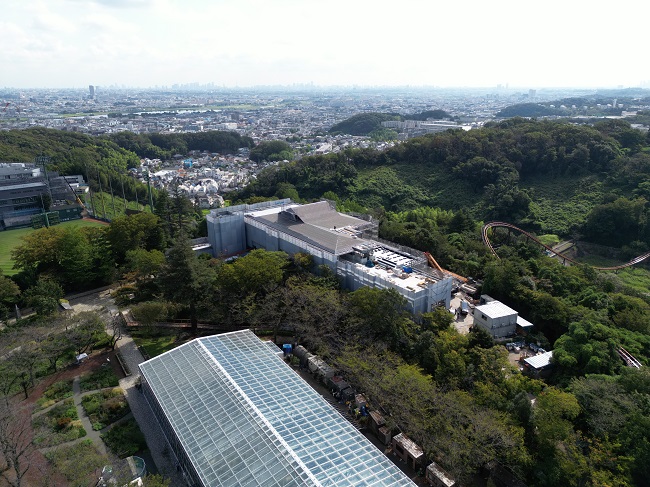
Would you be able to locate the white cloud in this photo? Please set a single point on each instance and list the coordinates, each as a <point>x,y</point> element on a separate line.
<point>250,42</point>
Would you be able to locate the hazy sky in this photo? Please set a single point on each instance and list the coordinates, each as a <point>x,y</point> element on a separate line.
<point>525,43</point>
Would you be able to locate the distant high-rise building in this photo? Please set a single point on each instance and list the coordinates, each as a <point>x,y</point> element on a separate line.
<point>532,94</point>
<point>91,89</point>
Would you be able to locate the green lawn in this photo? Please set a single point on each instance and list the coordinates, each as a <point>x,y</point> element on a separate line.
<point>10,239</point>
<point>156,345</point>
<point>636,277</point>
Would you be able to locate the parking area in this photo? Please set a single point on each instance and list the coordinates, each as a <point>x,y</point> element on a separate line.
<point>518,351</point>
<point>462,323</point>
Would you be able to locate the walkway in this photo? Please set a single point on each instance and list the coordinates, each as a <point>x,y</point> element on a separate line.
<point>162,455</point>
<point>91,434</point>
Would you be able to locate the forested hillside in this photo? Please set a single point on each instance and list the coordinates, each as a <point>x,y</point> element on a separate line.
<point>69,152</point>
<point>367,123</point>
<point>164,146</point>
<point>545,175</point>
<point>101,162</point>
<point>363,123</point>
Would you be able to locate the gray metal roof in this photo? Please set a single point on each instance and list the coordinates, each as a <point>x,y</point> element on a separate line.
<point>524,323</point>
<point>8,187</point>
<point>331,241</point>
<point>322,214</point>
<point>245,417</point>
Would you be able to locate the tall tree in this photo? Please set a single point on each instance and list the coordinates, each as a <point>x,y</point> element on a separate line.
<point>131,232</point>
<point>16,447</point>
<point>183,212</point>
<point>44,296</point>
<point>9,292</point>
<point>84,330</point>
<point>379,314</point>
<point>185,280</point>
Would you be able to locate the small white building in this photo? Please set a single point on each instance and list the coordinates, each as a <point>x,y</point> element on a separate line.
<point>496,318</point>
<point>538,364</point>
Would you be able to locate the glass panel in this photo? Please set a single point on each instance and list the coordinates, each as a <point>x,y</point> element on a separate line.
<point>239,410</point>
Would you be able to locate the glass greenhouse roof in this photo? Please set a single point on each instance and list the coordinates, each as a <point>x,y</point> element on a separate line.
<point>244,417</point>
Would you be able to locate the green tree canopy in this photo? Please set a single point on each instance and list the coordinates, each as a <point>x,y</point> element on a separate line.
<point>271,150</point>
<point>131,232</point>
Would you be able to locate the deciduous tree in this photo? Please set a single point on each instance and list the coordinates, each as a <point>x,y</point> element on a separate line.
<point>16,447</point>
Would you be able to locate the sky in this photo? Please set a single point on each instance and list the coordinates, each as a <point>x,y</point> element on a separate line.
<point>454,43</point>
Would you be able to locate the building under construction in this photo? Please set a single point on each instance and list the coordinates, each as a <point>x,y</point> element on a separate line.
<point>346,244</point>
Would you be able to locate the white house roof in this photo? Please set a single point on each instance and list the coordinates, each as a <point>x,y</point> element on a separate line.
<point>539,361</point>
<point>495,309</point>
<point>524,323</point>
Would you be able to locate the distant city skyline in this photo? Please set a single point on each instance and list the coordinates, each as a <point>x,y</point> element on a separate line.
<point>245,43</point>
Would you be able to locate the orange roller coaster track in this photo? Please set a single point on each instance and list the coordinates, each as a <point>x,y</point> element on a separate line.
<point>486,241</point>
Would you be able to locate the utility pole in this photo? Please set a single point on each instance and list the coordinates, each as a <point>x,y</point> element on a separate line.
<point>110,184</point>
<point>123,195</point>
<point>92,203</point>
<point>99,180</point>
<point>42,161</point>
<point>46,220</point>
<point>149,188</point>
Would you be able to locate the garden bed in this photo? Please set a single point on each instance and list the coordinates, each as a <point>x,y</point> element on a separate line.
<point>55,393</point>
<point>59,425</point>
<point>99,379</point>
<point>125,439</point>
<point>80,464</point>
<point>105,407</point>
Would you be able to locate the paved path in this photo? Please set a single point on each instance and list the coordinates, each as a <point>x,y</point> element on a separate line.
<point>162,455</point>
<point>90,432</point>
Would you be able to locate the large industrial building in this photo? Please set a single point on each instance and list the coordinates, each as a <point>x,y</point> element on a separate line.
<point>235,414</point>
<point>346,244</point>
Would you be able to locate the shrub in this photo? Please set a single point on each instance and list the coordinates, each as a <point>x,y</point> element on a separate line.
<point>79,463</point>
<point>59,425</point>
<point>63,423</point>
<point>125,439</point>
<point>99,379</point>
<point>105,407</point>
<point>53,394</point>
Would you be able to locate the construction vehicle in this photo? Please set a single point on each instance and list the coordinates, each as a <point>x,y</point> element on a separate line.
<point>433,263</point>
<point>84,211</point>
